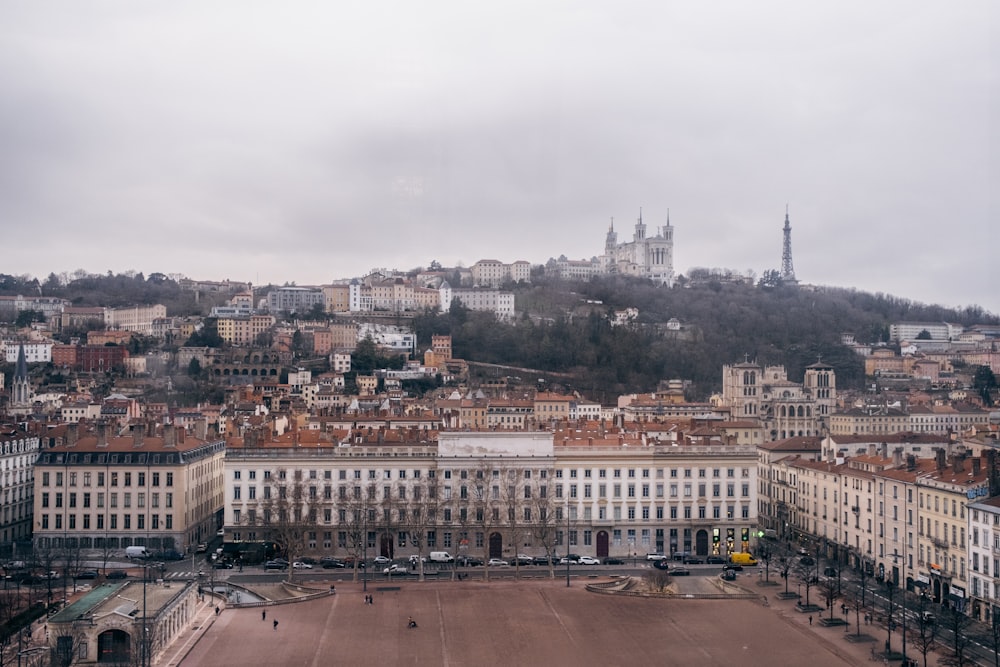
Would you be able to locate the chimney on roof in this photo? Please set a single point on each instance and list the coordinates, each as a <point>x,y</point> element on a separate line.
<point>180,431</point>
<point>871,449</point>
<point>138,431</point>
<point>169,436</point>
<point>957,462</point>
<point>911,462</point>
<point>72,434</point>
<point>897,457</point>
<point>201,429</point>
<point>102,434</point>
<point>885,450</point>
<point>976,465</point>
<point>939,457</point>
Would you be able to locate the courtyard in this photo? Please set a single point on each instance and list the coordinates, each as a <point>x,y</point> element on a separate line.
<point>518,623</point>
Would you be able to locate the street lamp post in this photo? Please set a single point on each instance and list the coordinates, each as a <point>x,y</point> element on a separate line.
<point>567,543</point>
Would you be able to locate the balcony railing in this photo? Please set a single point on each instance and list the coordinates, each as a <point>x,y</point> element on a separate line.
<point>940,544</point>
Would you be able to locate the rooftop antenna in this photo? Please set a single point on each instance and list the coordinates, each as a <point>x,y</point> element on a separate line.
<point>787,272</point>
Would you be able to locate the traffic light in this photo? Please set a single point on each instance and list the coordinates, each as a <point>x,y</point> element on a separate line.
<point>745,535</point>
<point>730,534</point>
<point>715,536</point>
<point>760,533</point>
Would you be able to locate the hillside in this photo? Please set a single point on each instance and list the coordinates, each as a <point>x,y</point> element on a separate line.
<point>565,327</point>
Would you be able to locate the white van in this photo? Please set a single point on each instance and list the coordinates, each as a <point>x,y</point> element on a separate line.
<point>136,552</point>
<point>441,557</point>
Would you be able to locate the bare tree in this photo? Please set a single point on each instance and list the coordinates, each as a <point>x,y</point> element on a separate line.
<point>544,526</point>
<point>925,633</point>
<point>358,518</point>
<point>957,624</point>
<point>515,498</point>
<point>658,580</point>
<point>784,567</point>
<point>486,507</point>
<point>829,590</point>
<point>287,515</point>
<point>69,640</point>
<point>421,517</point>
<point>764,554</point>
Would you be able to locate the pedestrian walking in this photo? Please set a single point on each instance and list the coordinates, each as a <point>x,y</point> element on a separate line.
<point>263,615</point>
<point>275,625</point>
<point>217,611</point>
<point>810,620</point>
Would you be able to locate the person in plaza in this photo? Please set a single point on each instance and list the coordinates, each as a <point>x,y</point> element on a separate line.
<point>263,615</point>
<point>275,625</point>
<point>411,623</point>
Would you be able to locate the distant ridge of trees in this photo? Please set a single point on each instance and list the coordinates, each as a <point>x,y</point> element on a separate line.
<point>566,326</point>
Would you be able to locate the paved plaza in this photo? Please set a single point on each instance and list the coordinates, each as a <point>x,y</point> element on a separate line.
<point>521,623</point>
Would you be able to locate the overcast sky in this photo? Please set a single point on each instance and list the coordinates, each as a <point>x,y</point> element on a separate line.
<point>306,142</point>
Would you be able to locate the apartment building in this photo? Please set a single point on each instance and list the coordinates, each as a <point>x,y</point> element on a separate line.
<point>138,319</point>
<point>18,451</point>
<point>984,559</point>
<point>493,273</point>
<point>244,331</point>
<point>97,492</point>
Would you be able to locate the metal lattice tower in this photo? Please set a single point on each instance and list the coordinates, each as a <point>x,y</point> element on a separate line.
<point>787,272</point>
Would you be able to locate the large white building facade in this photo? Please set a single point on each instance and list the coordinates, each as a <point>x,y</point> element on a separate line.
<point>493,494</point>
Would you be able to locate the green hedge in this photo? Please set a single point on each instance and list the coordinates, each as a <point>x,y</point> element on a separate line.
<point>22,620</point>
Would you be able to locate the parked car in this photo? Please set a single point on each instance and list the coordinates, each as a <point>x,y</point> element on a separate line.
<point>497,562</point>
<point>328,562</point>
<point>680,572</point>
<point>223,565</point>
<point>589,560</point>
<point>382,560</point>
<point>807,561</point>
<point>275,565</point>
<point>655,556</point>
<point>469,561</point>
<point>612,560</point>
<point>541,560</point>
<point>715,560</point>
<point>350,561</point>
<point>201,548</point>
<point>169,554</point>
<point>87,574</point>
<point>308,560</point>
<point>732,566</point>
<point>280,560</point>
<point>301,565</point>
<point>662,564</point>
<point>414,559</point>
<point>728,575</point>
<point>118,574</point>
<point>693,560</point>
<point>395,568</point>
<point>524,559</point>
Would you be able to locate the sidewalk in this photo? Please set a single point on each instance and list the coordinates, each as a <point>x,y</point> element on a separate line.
<point>182,643</point>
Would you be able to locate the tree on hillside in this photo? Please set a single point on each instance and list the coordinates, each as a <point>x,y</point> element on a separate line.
<point>984,382</point>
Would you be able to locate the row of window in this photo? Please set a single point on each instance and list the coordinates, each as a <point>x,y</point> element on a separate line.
<point>463,514</point>
<point>125,477</point>
<point>601,473</point>
<point>155,522</point>
<point>86,498</point>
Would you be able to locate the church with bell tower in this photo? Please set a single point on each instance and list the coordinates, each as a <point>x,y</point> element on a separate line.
<point>644,256</point>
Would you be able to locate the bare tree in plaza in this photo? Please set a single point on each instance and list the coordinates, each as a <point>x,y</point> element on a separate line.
<point>544,526</point>
<point>485,505</point>
<point>515,501</point>
<point>357,519</point>
<point>287,515</point>
<point>421,517</point>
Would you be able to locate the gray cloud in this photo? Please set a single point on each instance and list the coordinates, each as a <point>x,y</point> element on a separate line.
<point>309,142</point>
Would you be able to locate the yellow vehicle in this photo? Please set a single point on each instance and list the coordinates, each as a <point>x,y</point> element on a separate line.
<point>741,558</point>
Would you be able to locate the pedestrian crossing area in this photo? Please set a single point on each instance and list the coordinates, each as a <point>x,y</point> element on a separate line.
<point>183,574</point>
